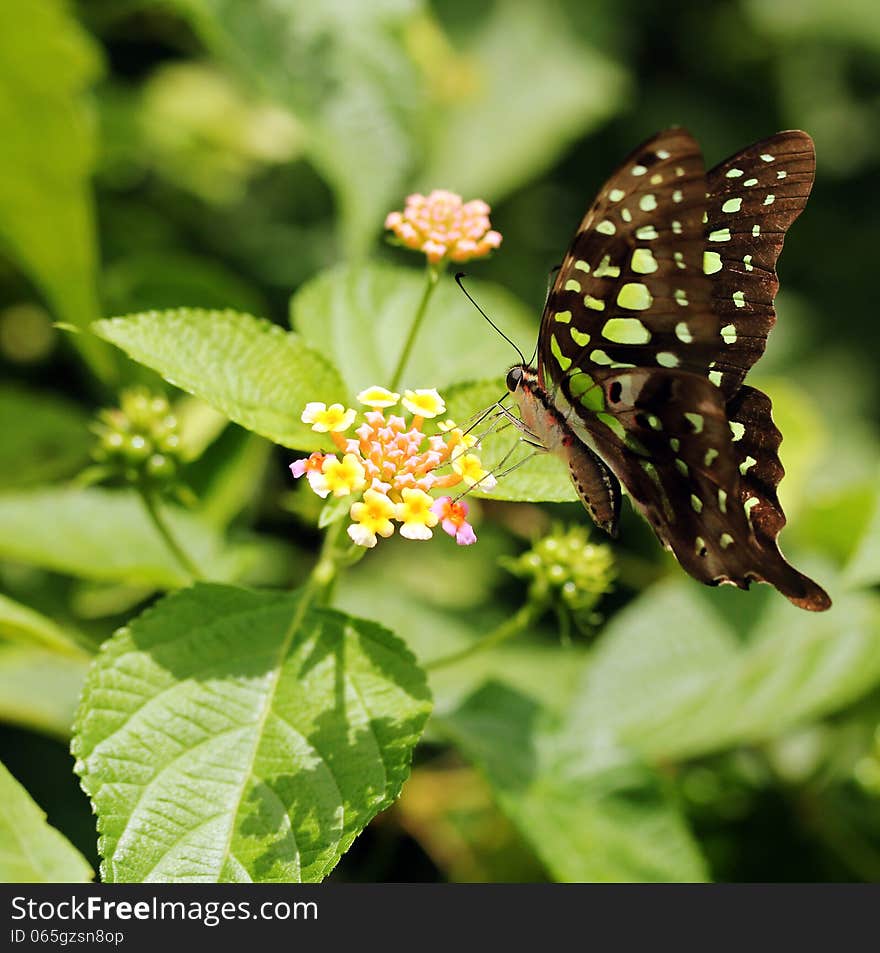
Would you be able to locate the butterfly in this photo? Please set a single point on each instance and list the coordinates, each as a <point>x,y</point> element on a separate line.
<point>662,304</point>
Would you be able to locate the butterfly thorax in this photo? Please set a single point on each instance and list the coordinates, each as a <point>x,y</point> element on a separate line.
<point>542,417</point>
<point>538,412</point>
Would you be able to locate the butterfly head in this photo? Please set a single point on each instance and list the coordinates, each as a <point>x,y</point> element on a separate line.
<point>520,377</point>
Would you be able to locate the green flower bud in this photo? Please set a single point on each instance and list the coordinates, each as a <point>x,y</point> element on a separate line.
<point>138,441</point>
<point>566,571</point>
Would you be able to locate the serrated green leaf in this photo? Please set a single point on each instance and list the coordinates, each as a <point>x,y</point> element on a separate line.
<point>495,140</point>
<point>20,623</point>
<point>233,735</point>
<point>683,690</point>
<point>106,534</point>
<point>42,438</point>
<point>360,316</point>
<point>543,478</point>
<point>47,62</point>
<point>604,818</point>
<point>246,367</point>
<point>31,851</point>
<point>39,690</point>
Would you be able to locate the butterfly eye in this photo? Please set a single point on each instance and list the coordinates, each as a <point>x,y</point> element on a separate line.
<point>514,378</point>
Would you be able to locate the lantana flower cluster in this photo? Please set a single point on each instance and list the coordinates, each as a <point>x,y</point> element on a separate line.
<point>444,227</point>
<point>391,468</point>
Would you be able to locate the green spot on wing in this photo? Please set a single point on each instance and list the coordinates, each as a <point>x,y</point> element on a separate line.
<point>696,421</point>
<point>613,424</point>
<point>563,361</point>
<point>585,390</point>
<point>711,262</point>
<point>626,331</point>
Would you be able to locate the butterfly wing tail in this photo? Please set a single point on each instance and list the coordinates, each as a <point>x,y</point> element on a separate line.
<point>756,440</point>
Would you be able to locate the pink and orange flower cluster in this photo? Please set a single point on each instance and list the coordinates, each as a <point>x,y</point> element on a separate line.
<point>391,466</point>
<point>444,227</point>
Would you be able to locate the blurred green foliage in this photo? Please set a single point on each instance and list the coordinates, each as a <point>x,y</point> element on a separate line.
<point>206,155</point>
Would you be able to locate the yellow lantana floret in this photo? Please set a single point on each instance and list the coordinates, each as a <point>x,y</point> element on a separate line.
<point>470,468</point>
<point>455,436</point>
<point>344,476</point>
<point>324,419</point>
<point>416,515</point>
<point>371,516</point>
<point>378,397</point>
<point>424,403</point>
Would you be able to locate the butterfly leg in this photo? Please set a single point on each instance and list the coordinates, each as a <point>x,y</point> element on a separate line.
<point>498,473</point>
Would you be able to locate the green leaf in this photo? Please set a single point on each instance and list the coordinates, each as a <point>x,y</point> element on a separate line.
<point>360,316</point>
<point>706,693</point>
<point>334,509</point>
<point>232,735</point>
<point>539,89</point>
<point>233,475</point>
<point>543,478</point>
<point>31,851</point>
<point>863,568</point>
<point>342,69</point>
<point>105,534</point>
<point>39,690</point>
<point>42,438</point>
<point>393,588</point>
<point>602,818</point>
<point>251,370</point>
<point>46,218</point>
<point>22,624</point>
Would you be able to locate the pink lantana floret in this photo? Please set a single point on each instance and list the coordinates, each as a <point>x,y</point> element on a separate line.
<point>453,520</point>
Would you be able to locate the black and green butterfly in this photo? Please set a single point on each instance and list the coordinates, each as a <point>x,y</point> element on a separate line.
<point>662,304</point>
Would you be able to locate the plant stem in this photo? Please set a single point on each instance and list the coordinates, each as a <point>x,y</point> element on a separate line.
<point>152,506</point>
<point>507,630</point>
<point>319,587</point>
<point>433,276</point>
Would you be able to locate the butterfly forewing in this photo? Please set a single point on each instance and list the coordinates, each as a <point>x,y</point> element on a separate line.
<point>632,283</point>
<point>754,196</point>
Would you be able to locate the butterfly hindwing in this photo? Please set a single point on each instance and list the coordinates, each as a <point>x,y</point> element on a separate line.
<point>707,489</point>
<point>756,441</point>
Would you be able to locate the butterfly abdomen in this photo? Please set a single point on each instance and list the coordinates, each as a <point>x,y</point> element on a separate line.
<point>594,483</point>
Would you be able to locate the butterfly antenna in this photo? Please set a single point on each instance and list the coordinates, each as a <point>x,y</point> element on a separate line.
<point>551,278</point>
<point>458,281</point>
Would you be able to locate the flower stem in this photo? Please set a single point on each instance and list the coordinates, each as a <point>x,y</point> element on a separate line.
<point>323,576</point>
<point>507,630</point>
<point>151,505</point>
<point>433,276</point>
